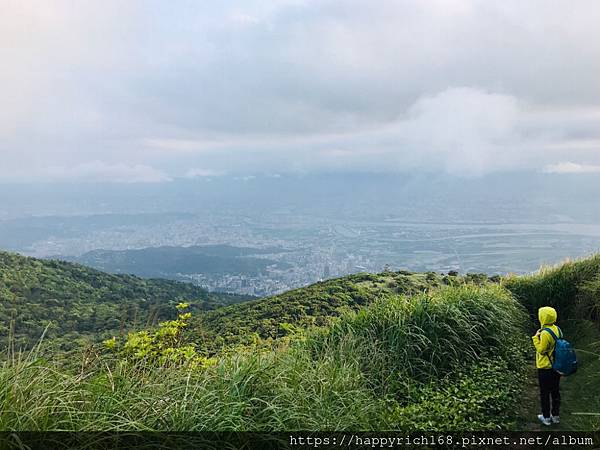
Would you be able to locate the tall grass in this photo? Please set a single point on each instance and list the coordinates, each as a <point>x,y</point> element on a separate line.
<point>362,373</point>
<point>403,340</point>
<point>277,390</point>
<point>571,287</point>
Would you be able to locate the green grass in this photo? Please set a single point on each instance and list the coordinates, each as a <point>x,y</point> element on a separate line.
<point>572,287</point>
<point>426,335</point>
<point>367,352</point>
<point>313,306</point>
<point>381,368</point>
<point>580,392</point>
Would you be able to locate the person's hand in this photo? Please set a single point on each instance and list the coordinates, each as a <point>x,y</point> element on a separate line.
<point>537,333</point>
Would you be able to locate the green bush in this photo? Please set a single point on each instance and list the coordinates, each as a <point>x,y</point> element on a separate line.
<point>589,299</point>
<point>164,346</point>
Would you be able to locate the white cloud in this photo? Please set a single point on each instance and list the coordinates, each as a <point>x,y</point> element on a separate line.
<point>571,167</point>
<point>201,173</point>
<point>245,178</point>
<point>243,18</point>
<point>461,130</point>
<point>465,130</point>
<point>95,171</point>
<point>153,89</point>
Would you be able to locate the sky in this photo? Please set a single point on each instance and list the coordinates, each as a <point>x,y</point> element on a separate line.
<point>151,91</point>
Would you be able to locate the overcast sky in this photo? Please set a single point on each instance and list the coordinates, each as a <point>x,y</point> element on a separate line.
<point>147,91</point>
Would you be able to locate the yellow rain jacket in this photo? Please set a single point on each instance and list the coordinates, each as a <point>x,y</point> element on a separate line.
<point>543,341</point>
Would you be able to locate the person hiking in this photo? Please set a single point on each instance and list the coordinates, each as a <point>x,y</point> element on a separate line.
<point>549,379</point>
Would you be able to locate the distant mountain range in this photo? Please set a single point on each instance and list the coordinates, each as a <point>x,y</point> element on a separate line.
<point>172,262</point>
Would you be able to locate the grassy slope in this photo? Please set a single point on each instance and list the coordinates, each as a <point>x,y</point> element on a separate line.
<point>581,392</point>
<point>440,360</point>
<point>314,305</point>
<point>436,359</point>
<point>79,303</point>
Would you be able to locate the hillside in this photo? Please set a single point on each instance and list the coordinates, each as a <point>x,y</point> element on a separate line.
<point>77,303</point>
<point>394,351</point>
<point>314,305</point>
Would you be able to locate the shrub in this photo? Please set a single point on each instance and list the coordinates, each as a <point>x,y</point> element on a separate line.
<point>165,346</point>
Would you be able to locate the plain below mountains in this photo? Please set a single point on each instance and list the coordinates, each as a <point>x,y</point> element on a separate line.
<point>177,262</point>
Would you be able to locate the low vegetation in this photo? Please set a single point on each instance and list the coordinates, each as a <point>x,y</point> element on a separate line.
<point>381,368</point>
<point>573,288</point>
<point>367,352</point>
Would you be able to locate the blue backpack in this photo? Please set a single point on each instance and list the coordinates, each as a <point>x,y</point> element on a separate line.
<point>565,360</point>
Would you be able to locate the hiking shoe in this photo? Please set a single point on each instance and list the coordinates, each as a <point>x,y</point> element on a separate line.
<point>555,419</point>
<point>545,420</point>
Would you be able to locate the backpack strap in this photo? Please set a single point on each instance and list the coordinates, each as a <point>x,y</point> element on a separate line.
<point>553,334</point>
<point>555,339</point>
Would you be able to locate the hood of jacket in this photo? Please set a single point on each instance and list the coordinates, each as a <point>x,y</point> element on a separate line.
<point>547,316</point>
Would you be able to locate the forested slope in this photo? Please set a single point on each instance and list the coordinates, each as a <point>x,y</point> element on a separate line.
<point>76,303</point>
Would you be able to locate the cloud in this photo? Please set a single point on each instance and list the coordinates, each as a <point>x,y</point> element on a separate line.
<point>274,86</point>
<point>96,171</point>
<point>571,167</point>
<point>464,130</point>
<point>461,130</point>
<point>202,173</point>
<point>245,178</point>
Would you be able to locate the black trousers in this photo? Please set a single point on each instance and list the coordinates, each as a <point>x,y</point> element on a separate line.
<point>549,389</point>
